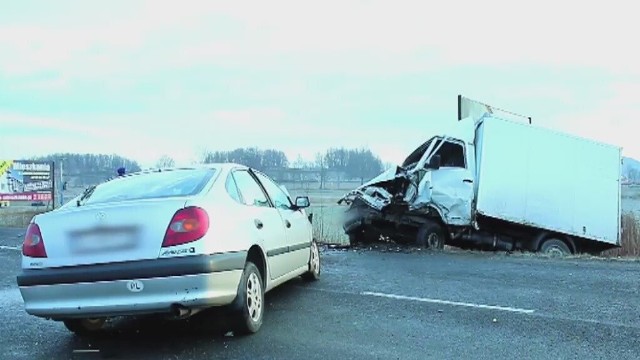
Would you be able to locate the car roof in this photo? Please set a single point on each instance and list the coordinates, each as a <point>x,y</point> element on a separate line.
<point>223,167</point>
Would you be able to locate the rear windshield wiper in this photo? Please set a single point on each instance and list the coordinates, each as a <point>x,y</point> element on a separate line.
<point>86,195</point>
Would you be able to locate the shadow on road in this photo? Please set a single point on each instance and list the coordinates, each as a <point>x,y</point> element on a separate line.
<point>154,337</point>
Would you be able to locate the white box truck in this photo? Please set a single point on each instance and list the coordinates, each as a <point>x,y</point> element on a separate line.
<point>496,184</point>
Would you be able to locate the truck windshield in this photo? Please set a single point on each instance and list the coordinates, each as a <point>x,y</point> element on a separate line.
<point>417,154</point>
<point>451,153</point>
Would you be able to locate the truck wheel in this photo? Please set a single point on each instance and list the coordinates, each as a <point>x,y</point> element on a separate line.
<point>430,236</point>
<point>555,247</point>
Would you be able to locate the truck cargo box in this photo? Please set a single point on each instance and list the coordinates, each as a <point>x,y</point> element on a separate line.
<point>538,177</point>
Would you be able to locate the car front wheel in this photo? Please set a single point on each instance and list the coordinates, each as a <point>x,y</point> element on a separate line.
<point>248,307</point>
<point>314,264</point>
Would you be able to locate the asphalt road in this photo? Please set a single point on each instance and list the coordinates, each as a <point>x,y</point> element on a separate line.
<point>379,305</point>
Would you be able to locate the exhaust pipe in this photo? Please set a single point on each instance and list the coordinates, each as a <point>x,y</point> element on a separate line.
<point>496,242</point>
<point>180,312</point>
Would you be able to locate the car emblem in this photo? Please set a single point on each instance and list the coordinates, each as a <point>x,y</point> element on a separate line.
<point>100,216</point>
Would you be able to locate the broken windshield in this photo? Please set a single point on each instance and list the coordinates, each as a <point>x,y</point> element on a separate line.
<point>451,153</point>
<point>417,154</point>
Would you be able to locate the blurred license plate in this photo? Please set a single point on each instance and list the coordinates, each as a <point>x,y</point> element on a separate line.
<point>104,242</point>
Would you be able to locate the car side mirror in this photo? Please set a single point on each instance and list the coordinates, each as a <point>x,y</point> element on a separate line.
<point>302,202</point>
<point>435,162</point>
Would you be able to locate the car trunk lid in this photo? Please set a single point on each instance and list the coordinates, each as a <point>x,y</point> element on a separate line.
<point>107,232</point>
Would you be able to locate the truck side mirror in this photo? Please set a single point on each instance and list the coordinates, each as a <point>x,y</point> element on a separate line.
<point>434,162</point>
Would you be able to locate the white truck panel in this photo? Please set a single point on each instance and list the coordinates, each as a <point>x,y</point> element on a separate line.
<point>550,180</point>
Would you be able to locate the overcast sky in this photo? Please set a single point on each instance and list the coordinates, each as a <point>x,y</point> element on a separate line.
<point>145,78</point>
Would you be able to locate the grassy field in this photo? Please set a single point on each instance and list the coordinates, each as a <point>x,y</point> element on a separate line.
<point>327,216</point>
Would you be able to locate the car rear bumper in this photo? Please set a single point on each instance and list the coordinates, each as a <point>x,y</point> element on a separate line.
<point>132,288</point>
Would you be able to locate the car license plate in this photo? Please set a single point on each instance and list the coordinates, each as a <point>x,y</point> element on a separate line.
<point>102,242</point>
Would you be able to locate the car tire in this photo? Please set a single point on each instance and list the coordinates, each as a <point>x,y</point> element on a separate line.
<point>84,327</point>
<point>248,307</point>
<point>431,236</point>
<point>314,264</point>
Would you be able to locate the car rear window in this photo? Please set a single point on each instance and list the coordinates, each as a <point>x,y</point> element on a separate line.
<point>163,184</point>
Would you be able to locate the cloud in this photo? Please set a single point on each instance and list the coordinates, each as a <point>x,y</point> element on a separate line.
<point>366,37</point>
<point>613,121</point>
<point>304,76</point>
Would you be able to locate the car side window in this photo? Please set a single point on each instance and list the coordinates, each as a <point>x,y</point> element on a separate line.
<point>279,197</point>
<point>250,191</point>
<point>232,189</point>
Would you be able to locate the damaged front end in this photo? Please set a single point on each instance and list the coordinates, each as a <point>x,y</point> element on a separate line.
<point>433,185</point>
<point>382,191</point>
<point>385,207</point>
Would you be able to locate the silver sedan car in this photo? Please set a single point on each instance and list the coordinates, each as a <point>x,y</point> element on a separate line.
<point>174,241</point>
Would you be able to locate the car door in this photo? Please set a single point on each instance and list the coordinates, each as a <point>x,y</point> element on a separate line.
<point>266,221</point>
<point>297,226</point>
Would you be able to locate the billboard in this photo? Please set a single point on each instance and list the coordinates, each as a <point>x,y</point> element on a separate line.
<point>476,109</point>
<point>23,180</point>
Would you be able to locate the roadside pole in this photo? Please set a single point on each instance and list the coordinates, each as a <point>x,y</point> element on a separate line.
<point>61,182</point>
<point>53,185</point>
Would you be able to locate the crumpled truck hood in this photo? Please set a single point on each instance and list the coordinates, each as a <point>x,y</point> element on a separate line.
<point>379,191</point>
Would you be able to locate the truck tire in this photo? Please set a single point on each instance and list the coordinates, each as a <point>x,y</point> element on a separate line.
<point>431,236</point>
<point>555,247</point>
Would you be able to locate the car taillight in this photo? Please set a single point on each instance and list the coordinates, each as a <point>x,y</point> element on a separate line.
<point>187,225</point>
<point>33,245</point>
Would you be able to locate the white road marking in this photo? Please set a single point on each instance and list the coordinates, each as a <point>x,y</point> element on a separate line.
<point>3,247</point>
<point>446,302</point>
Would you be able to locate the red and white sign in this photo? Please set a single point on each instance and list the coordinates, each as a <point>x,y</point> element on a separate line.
<point>26,197</point>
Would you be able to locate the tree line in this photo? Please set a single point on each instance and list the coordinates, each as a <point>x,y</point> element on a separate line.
<point>88,169</point>
<point>340,163</point>
<point>348,164</point>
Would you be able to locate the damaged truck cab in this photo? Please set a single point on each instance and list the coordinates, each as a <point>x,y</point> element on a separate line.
<point>499,185</point>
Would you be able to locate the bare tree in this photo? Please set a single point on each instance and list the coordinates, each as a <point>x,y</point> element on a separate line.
<point>165,162</point>
<point>321,163</point>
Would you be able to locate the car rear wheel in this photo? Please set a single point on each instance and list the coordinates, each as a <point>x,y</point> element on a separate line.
<point>314,264</point>
<point>248,308</point>
<point>84,326</point>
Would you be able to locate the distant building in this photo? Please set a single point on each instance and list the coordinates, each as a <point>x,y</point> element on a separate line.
<point>4,184</point>
<point>9,183</point>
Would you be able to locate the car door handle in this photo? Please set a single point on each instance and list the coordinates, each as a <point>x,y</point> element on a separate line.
<point>287,223</point>
<point>468,181</point>
<point>258,223</point>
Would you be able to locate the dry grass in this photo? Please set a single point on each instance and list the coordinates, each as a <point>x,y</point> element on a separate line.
<point>327,227</point>
<point>630,246</point>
